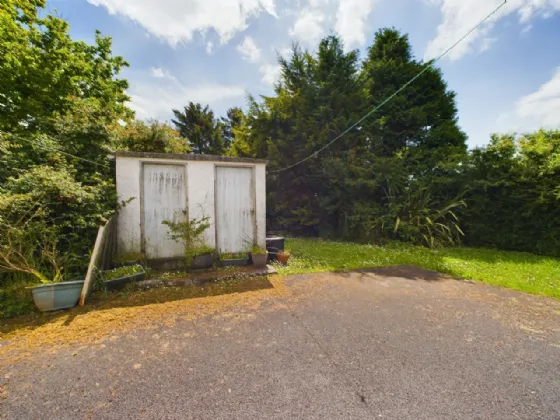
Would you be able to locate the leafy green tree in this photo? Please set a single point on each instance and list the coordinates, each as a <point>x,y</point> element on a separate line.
<point>199,126</point>
<point>68,182</point>
<point>229,124</point>
<point>317,98</point>
<point>151,136</point>
<point>421,120</point>
<point>335,192</point>
<point>43,71</point>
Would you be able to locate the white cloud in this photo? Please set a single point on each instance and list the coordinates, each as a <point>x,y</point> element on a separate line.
<point>540,109</point>
<point>487,43</point>
<point>160,73</point>
<point>347,17</point>
<point>157,99</point>
<point>249,50</point>
<point>309,26</point>
<point>459,16</point>
<point>177,21</point>
<point>284,51</point>
<point>351,21</point>
<point>542,106</point>
<point>270,73</point>
<point>209,47</point>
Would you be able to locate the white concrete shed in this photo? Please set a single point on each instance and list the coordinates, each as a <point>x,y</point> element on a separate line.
<point>230,191</point>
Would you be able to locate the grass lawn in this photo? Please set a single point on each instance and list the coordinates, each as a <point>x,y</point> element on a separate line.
<point>515,270</point>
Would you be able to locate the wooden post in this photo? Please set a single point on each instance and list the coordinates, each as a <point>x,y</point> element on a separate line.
<point>88,283</point>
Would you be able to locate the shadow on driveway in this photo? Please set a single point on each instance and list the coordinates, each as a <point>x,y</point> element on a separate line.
<point>409,272</point>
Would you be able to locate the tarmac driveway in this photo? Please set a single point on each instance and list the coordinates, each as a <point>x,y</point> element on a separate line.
<point>398,343</point>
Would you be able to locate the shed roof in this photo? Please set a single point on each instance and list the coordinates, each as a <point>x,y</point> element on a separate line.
<point>191,156</point>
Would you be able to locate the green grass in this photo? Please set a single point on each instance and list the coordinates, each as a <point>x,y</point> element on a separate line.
<point>515,270</point>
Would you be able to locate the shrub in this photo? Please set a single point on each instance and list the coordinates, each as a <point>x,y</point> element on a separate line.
<point>49,219</point>
<point>411,215</point>
<point>190,233</point>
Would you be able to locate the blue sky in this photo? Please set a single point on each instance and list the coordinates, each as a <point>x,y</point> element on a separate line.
<point>506,75</point>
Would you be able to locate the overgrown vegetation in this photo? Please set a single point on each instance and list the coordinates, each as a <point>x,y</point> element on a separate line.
<point>190,234</point>
<point>403,174</point>
<point>512,188</point>
<point>120,272</point>
<point>63,110</point>
<point>515,270</point>
<point>233,256</point>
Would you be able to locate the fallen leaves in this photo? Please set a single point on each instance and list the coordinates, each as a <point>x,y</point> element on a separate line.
<point>142,310</point>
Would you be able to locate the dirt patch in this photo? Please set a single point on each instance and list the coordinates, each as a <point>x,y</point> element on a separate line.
<point>111,315</point>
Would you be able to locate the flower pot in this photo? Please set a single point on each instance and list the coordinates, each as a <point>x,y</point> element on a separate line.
<point>283,258</point>
<point>55,296</point>
<point>259,260</point>
<point>121,282</point>
<point>202,261</point>
<point>235,262</point>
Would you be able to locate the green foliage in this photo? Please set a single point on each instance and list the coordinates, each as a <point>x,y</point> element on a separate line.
<point>257,250</point>
<point>233,256</point>
<point>409,216</point>
<point>29,240</point>
<point>121,272</point>
<point>129,257</point>
<point>512,191</point>
<point>43,70</point>
<point>77,210</point>
<point>316,99</point>
<point>336,192</point>
<point>190,233</point>
<point>151,136</point>
<point>49,221</point>
<point>423,119</point>
<point>202,130</point>
<point>62,105</point>
<point>515,270</point>
<point>15,299</point>
<point>229,125</point>
<point>398,174</point>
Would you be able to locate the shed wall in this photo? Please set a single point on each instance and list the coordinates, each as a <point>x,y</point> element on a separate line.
<point>200,198</point>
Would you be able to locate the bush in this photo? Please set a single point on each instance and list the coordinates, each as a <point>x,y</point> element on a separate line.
<point>411,215</point>
<point>512,192</point>
<point>15,300</point>
<point>49,221</point>
<point>190,234</point>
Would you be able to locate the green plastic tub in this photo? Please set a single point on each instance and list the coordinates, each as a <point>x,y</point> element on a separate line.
<point>55,296</point>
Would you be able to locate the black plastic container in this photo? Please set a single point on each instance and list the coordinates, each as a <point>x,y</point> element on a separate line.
<point>121,282</point>
<point>274,244</point>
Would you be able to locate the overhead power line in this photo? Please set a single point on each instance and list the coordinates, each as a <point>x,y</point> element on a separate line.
<point>54,149</point>
<point>403,87</point>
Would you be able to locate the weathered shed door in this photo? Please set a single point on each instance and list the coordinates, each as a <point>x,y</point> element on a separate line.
<point>235,208</point>
<point>164,198</point>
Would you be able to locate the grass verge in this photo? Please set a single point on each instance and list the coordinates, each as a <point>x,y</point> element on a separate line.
<point>515,270</point>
